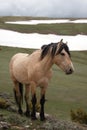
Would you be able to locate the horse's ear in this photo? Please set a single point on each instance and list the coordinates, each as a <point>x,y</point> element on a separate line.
<point>66,43</point>
<point>60,43</point>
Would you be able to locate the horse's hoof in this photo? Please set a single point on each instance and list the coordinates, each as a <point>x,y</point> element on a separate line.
<point>27,114</point>
<point>42,118</point>
<point>20,112</point>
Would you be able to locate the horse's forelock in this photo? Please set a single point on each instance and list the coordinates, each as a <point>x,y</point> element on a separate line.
<point>65,47</point>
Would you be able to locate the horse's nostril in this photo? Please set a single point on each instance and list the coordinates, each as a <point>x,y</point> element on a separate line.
<point>70,71</point>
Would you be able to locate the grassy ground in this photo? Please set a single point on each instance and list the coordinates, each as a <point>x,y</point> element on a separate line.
<point>64,92</point>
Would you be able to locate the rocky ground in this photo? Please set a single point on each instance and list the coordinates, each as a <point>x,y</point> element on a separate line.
<point>10,120</point>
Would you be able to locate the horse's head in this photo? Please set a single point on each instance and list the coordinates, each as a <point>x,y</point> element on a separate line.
<point>62,58</point>
<point>60,54</point>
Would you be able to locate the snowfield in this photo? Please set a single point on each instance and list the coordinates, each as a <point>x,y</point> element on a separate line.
<point>35,22</point>
<point>35,40</point>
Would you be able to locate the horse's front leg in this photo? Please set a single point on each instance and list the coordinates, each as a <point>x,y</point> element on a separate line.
<point>27,90</point>
<point>34,101</point>
<point>42,102</point>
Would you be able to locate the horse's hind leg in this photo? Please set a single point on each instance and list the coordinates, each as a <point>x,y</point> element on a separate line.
<point>34,101</point>
<point>27,89</point>
<point>18,95</point>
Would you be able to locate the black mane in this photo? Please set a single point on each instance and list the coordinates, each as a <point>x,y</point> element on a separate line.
<point>46,48</point>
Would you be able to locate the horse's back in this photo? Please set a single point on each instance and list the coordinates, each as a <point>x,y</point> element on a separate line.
<point>19,55</point>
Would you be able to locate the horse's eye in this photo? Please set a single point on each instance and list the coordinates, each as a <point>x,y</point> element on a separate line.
<point>62,54</point>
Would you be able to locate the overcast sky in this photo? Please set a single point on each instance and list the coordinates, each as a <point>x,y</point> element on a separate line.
<point>46,8</point>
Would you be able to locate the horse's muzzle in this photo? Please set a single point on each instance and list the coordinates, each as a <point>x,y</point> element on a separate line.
<point>70,71</point>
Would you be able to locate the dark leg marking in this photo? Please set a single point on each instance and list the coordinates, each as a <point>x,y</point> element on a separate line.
<point>33,113</point>
<point>18,101</point>
<point>27,113</point>
<point>42,101</point>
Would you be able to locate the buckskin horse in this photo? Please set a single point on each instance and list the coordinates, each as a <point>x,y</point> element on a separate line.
<point>35,70</point>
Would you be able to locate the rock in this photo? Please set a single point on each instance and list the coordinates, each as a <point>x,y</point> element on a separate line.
<point>17,128</point>
<point>4,125</point>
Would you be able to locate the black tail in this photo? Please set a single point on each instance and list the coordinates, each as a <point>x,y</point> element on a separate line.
<point>21,92</point>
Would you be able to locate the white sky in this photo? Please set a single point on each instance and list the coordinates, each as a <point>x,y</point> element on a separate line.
<point>46,8</point>
<point>35,40</point>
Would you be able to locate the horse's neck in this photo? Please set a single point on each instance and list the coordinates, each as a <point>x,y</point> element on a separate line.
<point>46,63</point>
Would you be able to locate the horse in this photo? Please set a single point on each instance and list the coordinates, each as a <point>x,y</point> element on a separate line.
<point>35,70</point>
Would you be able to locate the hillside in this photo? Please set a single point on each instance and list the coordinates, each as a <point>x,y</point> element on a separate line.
<point>9,119</point>
<point>64,92</point>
